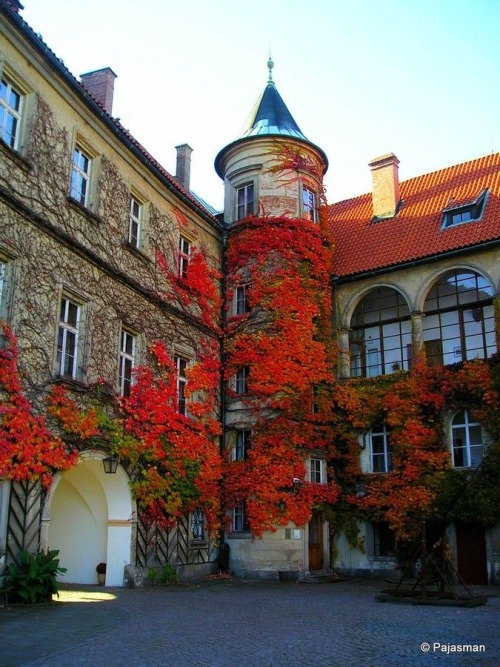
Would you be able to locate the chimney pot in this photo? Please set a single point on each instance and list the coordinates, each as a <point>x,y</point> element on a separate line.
<point>100,84</point>
<point>183,164</point>
<point>385,183</point>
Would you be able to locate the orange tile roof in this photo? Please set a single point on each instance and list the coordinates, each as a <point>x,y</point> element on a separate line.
<point>363,245</point>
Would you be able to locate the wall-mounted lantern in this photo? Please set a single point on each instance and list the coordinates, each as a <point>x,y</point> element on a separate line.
<point>110,465</point>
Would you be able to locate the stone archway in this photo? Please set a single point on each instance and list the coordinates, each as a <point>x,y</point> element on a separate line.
<point>88,516</point>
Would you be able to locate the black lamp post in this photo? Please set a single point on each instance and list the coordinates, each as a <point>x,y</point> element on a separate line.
<point>110,464</point>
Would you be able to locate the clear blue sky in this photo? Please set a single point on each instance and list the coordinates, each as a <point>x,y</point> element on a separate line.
<point>362,78</point>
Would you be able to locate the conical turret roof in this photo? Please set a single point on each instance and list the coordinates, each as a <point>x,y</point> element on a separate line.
<point>269,117</point>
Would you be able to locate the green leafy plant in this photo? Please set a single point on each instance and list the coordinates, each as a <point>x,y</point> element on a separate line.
<point>33,578</point>
<point>168,574</point>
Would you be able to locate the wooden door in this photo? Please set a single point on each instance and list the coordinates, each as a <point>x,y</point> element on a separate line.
<point>315,541</point>
<point>471,553</point>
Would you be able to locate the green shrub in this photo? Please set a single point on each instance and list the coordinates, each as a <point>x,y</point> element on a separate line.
<point>168,575</point>
<point>33,578</point>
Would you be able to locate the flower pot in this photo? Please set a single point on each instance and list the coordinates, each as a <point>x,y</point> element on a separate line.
<point>101,578</point>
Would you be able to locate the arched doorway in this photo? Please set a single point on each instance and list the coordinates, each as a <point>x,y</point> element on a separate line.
<point>88,516</point>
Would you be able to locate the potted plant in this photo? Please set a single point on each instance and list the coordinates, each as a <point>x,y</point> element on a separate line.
<point>101,573</point>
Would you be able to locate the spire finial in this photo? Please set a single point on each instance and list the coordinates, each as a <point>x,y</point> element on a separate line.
<point>270,65</point>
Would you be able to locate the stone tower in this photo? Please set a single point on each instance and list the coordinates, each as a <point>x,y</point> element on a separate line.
<point>272,169</point>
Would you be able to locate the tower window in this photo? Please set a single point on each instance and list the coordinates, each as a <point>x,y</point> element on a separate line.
<point>245,201</point>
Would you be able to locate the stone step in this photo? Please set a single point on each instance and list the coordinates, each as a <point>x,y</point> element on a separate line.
<point>320,577</point>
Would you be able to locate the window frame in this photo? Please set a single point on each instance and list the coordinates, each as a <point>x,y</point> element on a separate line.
<point>181,365</point>
<point>67,330</point>
<point>380,431</point>
<point>197,527</point>
<point>6,287</point>
<point>242,444</point>
<point>81,177</point>
<point>245,200</point>
<point>241,304</point>
<point>316,469</point>
<point>239,519</point>
<point>185,250</point>
<point>370,357</point>
<point>466,426</point>
<point>11,112</point>
<point>309,204</point>
<point>126,362</point>
<point>241,381</point>
<point>134,237</point>
<point>464,213</point>
<point>456,294</point>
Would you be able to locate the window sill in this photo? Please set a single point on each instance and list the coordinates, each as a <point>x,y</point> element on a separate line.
<point>198,544</point>
<point>137,252</point>
<point>239,536</point>
<point>16,156</point>
<point>86,211</point>
<point>73,383</point>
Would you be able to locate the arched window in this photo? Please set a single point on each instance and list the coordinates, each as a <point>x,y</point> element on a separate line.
<point>467,441</point>
<point>459,319</point>
<point>380,340</point>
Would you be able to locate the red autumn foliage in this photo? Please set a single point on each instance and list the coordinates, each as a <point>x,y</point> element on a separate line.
<point>28,450</point>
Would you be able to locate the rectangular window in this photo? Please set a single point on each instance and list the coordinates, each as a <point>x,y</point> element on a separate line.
<point>315,471</point>
<point>80,176</point>
<point>241,303</point>
<point>242,446</point>
<point>241,381</point>
<point>135,222</point>
<point>240,519</point>
<point>67,340</point>
<point>245,201</point>
<point>380,449</point>
<point>181,365</point>
<point>309,205</point>
<point>197,525</point>
<point>384,542</point>
<point>5,273</point>
<point>126,361</point>
<point>11,104</point>
<point>184,253</point>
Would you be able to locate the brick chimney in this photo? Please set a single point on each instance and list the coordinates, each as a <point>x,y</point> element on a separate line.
<point>183,165</point>
<point>100,84</point>
<point>385,182</point>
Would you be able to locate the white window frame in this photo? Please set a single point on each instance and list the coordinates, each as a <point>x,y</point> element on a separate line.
<point>135,224</point>
<point>68,336</point>
<point>380,431</point>
<point>245,200</point>
<point>467,447</point>
<point>11,113</point>
<point>310,204</point>
<point>126,361</point>
<point>81,170</point>
<point>185,249</point>
<point>181,365</point>
<point>316,470</point>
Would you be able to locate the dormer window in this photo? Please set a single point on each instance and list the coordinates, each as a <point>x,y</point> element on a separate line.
<point>457,214</point>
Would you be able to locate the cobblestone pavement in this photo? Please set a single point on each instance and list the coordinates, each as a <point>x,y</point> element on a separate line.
<point>245,624</point>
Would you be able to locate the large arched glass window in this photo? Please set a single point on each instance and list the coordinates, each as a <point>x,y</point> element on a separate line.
<point>459,319</point>
<point>380,340</point>
<point>467,440</point>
